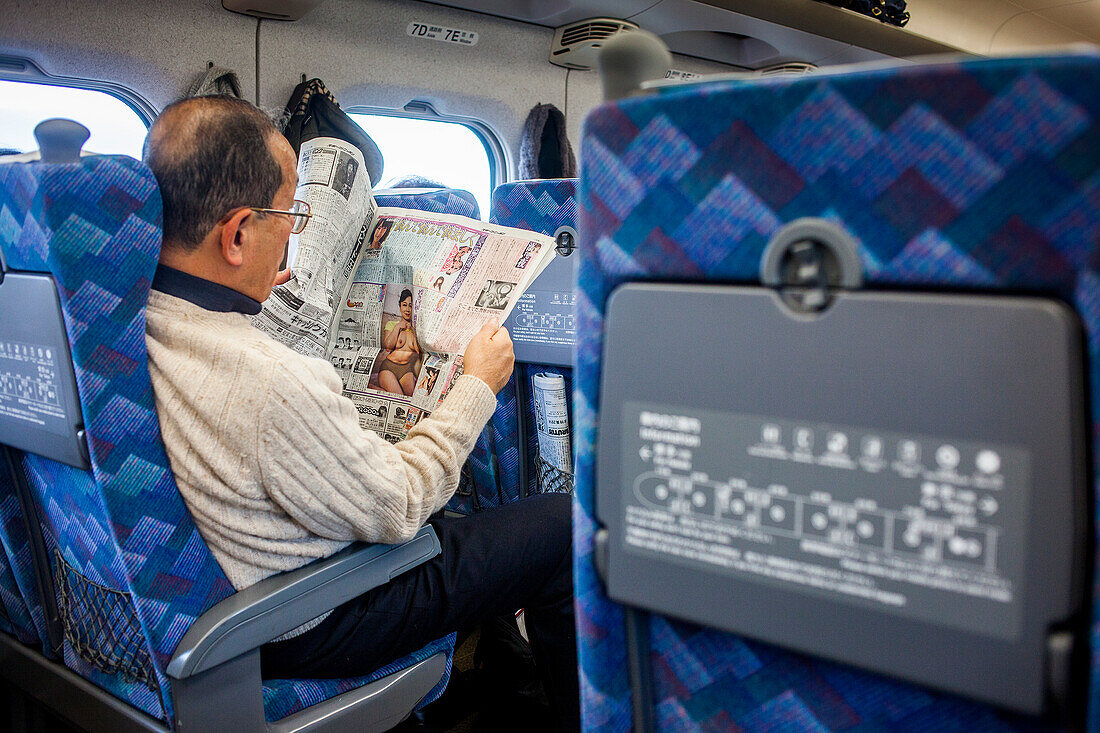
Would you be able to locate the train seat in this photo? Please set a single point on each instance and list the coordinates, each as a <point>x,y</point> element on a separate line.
<point>15,617</point>
<point>23,615</point>
<point>543,330</point>
<point>705,205</point>
<point>497,471</point>
<point>436,200</point>
<point>146,613</point>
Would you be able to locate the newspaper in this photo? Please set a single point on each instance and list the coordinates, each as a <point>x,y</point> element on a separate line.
<point>391,297</point>
<point>552,420</point>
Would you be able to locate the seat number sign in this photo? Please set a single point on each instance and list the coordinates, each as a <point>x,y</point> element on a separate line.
<point>439,33</point>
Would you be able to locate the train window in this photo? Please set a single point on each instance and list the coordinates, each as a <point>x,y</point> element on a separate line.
<point>116,128</point>
<point>450,153</point>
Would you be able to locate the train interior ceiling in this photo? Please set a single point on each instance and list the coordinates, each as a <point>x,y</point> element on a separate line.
<point>363,52</point>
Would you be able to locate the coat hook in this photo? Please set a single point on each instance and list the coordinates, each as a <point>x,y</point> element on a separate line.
<point>210,64</point>
<point>303,78</point>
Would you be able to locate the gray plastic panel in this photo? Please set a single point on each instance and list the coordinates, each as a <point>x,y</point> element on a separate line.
<point>543,325</point>
<point>897,484</point>
<point>257,614</point>
<point>39,408</point>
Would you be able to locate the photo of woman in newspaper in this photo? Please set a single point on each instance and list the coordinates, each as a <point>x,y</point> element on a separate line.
<point>399,370</point>
<point>378,236</point>
<point>346,168</point>
<point>495,295</point>
<point>427,382</point>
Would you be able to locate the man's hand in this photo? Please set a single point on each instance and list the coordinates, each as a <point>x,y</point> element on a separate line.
<point>282,277</point>
<point>489,356</point>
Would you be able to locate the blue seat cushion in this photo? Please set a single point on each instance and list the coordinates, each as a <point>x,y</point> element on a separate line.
<point>285,697</point>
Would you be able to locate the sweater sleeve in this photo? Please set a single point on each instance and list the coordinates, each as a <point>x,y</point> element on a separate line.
<point>345,483</point>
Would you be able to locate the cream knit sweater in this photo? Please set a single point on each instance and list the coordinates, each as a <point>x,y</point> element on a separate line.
<point>269,455</point>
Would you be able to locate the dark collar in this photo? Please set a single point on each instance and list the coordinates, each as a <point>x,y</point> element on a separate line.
<point>203,293</point>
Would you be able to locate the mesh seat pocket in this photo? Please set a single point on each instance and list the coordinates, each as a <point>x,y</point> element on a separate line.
<point>101,626</point>
<point>551,479</point>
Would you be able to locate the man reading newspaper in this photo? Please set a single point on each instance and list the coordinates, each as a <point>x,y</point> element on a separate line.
<point>269,454</point>
<point>387,295</point>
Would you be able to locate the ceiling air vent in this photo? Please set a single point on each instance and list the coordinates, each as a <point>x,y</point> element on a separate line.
<point>794,67</point>
<point>575,45</point>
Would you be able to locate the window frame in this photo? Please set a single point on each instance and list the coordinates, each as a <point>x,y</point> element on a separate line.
<point>21,69</point>
<point>421,110</point>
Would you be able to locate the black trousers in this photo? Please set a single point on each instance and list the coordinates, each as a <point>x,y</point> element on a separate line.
<point>492,563</point>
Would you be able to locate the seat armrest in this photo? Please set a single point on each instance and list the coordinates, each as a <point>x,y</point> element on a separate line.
<point>272,607</point>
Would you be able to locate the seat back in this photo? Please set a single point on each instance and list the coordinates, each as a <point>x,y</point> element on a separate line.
<point>507,461</point>
<point>437,200</point>
<point>125,561</point>
<point>128,566</point>
<point>39,411</point>
<point>23,614</point>
<point>955,177</point>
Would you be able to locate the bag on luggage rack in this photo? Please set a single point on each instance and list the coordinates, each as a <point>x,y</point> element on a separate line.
<point>888,11</point>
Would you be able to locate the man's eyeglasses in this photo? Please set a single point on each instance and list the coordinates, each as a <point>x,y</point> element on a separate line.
<point>299,211</point>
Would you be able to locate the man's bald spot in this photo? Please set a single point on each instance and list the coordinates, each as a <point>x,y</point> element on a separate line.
<point>210,155</point>
<point>177,129</point>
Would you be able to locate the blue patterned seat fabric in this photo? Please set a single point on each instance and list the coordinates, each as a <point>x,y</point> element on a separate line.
<point>982,174</point>
<point>438,201</point>
<point>542,206</point>
<point>96,227</point>
<point>283,697</point>
<point>122,542</point>
<point>23,613</point>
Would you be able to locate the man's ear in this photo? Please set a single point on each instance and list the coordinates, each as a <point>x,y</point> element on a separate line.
<point>234,234</point>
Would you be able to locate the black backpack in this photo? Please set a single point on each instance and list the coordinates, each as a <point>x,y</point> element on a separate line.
<point>313,112</point>
<point>888,11</point>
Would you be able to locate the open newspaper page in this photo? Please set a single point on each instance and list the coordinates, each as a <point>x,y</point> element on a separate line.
<point>422,287</point>
<point>333,180</point>
<point>391,297</point>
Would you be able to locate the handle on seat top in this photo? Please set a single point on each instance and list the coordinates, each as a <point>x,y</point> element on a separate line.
<point>60,140</point>
<point>629,59</point>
